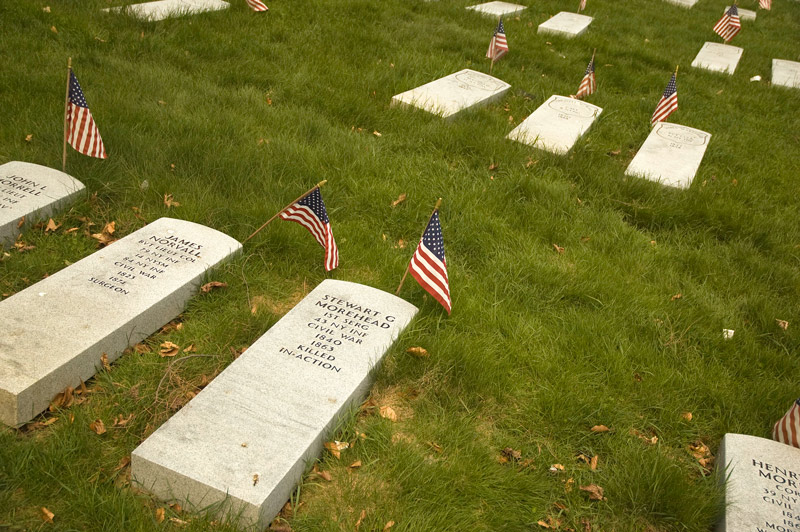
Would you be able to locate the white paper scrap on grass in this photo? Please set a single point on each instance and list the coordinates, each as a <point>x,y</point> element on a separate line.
<point>243,443</point>
<point>718,57</point>
<point>53,333</point>
<point>786,73</point>
<point>498,9</point>
<point>452,94</point>
<point>566,24</point>
<point>557,124</point>
<point>162,9</point>
<point>671,155</point>
<point>34,192</point>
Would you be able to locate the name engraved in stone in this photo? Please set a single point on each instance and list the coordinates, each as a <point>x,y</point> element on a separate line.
<point>572,108</point>
<point>14,188</point>
<point>682,136</point>
<point>477,80</point>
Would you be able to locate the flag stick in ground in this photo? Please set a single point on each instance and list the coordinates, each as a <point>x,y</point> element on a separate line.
<point>312,189</point>
<point>66,115</point>
<point>435,208</point>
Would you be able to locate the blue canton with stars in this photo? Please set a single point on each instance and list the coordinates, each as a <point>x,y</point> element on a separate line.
<point>75,92</point>
<point>433,237</point>
<point>671,88</point>
<point>314,202</point>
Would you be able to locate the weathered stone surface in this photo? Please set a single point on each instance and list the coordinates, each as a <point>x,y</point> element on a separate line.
<point>266,415</point>
<point>498,9</point>
<point>718,57</point>
<point>452,94</point>
<point>688,4</point>
<point>763,484</point>
<point>53,333</point>
<point>32,191</point>
<point>744,14</point>
<point>566,24</point>
<point>671,155</point>
<point>786,73</point>
<point>557,124</point>
<point>162,9</point>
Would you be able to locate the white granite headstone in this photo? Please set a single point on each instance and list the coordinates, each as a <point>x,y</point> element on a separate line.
<point>671,155</point>
<point>162,9</point>
<point>763,487</point>
<point>244,442</point>
<point>718,57</point>
<point>452,94</point>
<point>557,124</point>
<point>786,73</point>
<point>32,191</point>
<point>744,14</point>
<point>53,333</point>
<point>566,24</point>
<point>688,4</point>
<point>498,9</point>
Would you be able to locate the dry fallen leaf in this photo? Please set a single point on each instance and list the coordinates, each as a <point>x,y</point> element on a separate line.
<point>687,416</point>
<point>98,426</point>
<point>51,226</point>
<point>189,349</point>
<point>124,462</point>
<point>28,138</point>
<point>168,349</point>
<point>676,296</point>
<point>400,199</point>
<point>63,400</point>
<point>376,134</point>
<point>53,29</point>
<point>20,222</point>
<point>614,153</point>
<point>418,351</point>
<point>206,288</point>
<point>110,227</point>
<point>388,525</point>
<point>511,454</point>
<point>103,239</point>
<point>325,475</point>
<point>46,9</point>
<point>600,428</point>
<point>595,492</point>
<point>388,413</point>
<point>593,462</point>
<point>179,522</point>
<point>550,523</point>
<point>355,465</point>
<point>702,454</point>
<point>558,248</point>
<point>335,447</point>
<point>141,349</point>
<point>360,518</point>
<point>47,515</point>
<point>168,200</point>
<point>783,324</point>
<point>121,421</point>
<point>104,361</point>
<point>555,468</point>
<point>160,515</point>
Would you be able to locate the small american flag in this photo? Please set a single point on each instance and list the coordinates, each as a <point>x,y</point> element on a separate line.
<point>498,46</point>
<point>787,429</point>
<point>582,6</point>
<point>82,133</point>
<point>310,213</point>
<point>257,5</point>
<point>765,4</point>
<point>729,25</point>
<point>588,85</point>
<point>428,265</point>
<point>668,103</point>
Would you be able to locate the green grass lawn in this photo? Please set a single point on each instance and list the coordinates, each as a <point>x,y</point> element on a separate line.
<point>236,113</point>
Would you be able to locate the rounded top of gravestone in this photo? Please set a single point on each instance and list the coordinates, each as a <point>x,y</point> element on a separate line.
<point>56,182</point>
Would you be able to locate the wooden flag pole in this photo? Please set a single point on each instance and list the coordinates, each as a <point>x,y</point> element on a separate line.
<point>593,52</point>
<point>312,189</point>
<point>676,72</point>
<point>66,113</point>
<point>403,280</point>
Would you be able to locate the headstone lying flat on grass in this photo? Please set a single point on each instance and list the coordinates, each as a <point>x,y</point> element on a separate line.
<point>671,155</point>
<point>566,24</point>
<point>763,488</point>
<point>498,9</point>
<point>688,4</point>
<point>243,442</point>
<point>32,191</point>
<point>718,57</point>
<point>162,9</point>
<point>786,73</point>
<point>556,125</point>
<point>53,333</point>
<point>744,14</point>
<point>452,94</point>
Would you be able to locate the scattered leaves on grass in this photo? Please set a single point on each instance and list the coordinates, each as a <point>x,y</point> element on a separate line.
<point>208,287</point>
<point>355,465</point>
<point>168,199</point>
<point>104,362</point>
<point>676,296</point>
<point>559,249</point>
<point>595,492</point>
<point>53,29</point>
<point>51,226</point>
<point>614,153</point>
<point>360,519</point>
<point>168,349</point>
<point>22,247</point>
<point>418,352</point>
<point>141,349</point>
<point>555,468</point>
<point>104,238</point>
<point>110,227</point>
<point>702,454</point>
<point>190,349</point>
<point>600,428</point>
<point>649,440</point>
<point>388,525</point>
<point>47,515</point>
<point>121,421</point>
<point>400,199</point>
<point>160,515</point>
<point>493,166</point>
<point>783,324</point>
<point>593,462</point>
<point>20,222</point>
<point>435,446</point>
<point>325,475</point>
<point>97,426</point>
<point>511,454</point>
<point>63,400</point>
<point>550,523</point>
<point>388,412</point>
<point>336,447</point>
<point>687,416</point>
<point>587,526</point>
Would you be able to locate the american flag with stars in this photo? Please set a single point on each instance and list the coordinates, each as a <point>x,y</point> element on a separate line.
<point>668,103</point>
<point>82,133</point>
<point>257,5</point>
<point>498,46</point>
<point>428,265</point>
<point>729,25</point>
<point>582,6</point>
<point>587,85</point>
<point>787,429</point>
<point>765,4</point>
<point>310,213</point>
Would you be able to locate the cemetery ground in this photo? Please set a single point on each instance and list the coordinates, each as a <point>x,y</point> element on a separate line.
<point>582,381</point>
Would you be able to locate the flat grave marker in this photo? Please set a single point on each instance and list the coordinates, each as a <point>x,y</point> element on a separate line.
<point>566,24</point>
<point>763,488</point>
<point>53,333</point>
<point>557,124</point>
<point>718,57</point>
<point>786,73</point>
<point>32,191</point>
<point>671,155</point>
<point>267,415</point>
<point>688,4</point>
<point>162,9</point>
<point>452,94</point>
<point>744,14</point>
<point>498,9</point>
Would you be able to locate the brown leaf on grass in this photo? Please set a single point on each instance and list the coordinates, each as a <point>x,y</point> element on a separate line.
<point>558,248</point>
<point>614,153</point>
<point>325,475</point>
<point>110,227</point>
<point>103,239</point>
<point>687,416</point>
<point>388,525</point>
<point>511,454</point>
<point>160,515</point>
<point>360,518</point>
<point>22,247</point>
<point>400,199</point>
<point>47,516</point>
<point>531,162</point>
<point>174,325</point>
<point>550,523</point>
<point>189,349</point>
<point>121,421</point>
<point>104,362</point>
<point>355,465</point>
<point>98,426</point>
<point>595,492</point>
<point>208,287</point>
<point>400,244</point>
<point>46,9</point>
<point>168,349</point>
<point>168,200</point>
<point>587,526</point>
<point>783,324</point>
<point>124,462</point>
<point>335,447</point>
<point>435,446</point>
<point>702,454</point>
<point>51,226</point>
<point>650,440</point>
<point>600,428</point>
<point>388,412</point>
<point>141,349</point>
<point>71,230</point>
<point>53,29</point>
<point>555,468</point>
<point>179,522</point>
<point>418,351</point>
<point>279,525</point>
<point>676,296</point>
<point>63,400</point>
<point>20,222</point>
<point>593,463</point>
